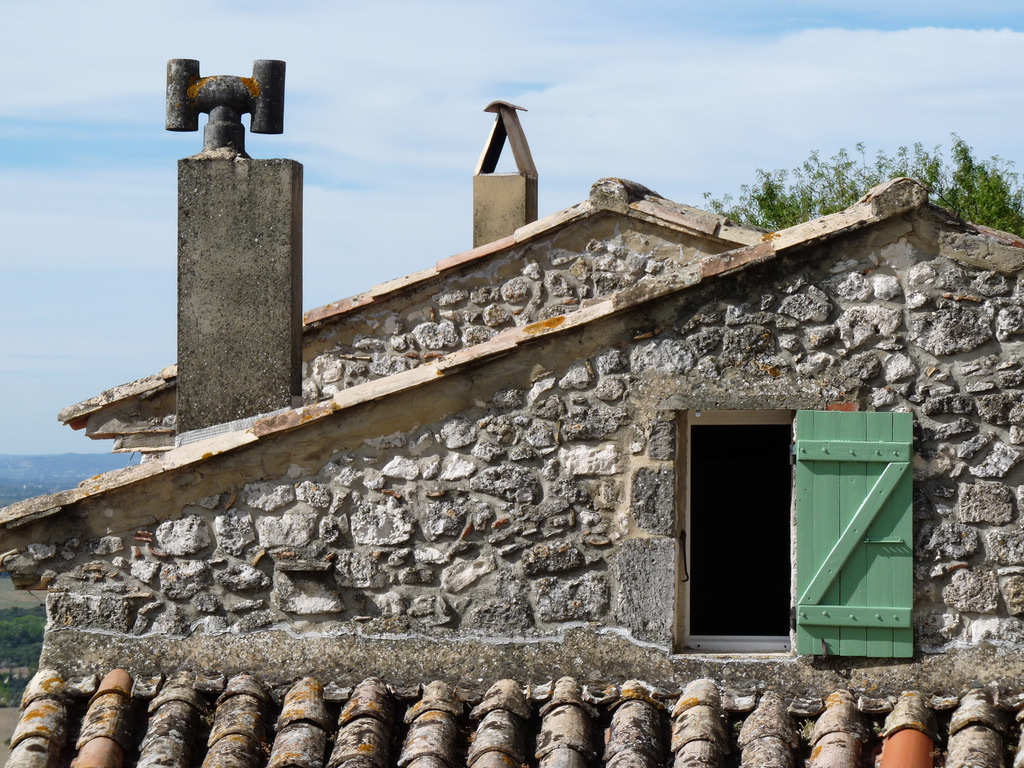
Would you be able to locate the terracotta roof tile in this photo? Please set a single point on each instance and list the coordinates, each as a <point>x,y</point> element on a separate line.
<point>304,702</point>
<point>500,738</point>
<point>976,747</point>
<point>839,733</point>
<point>173,720</point>
<point>505,695</point>
<point>911,711</point>
<point>433,729</point>
<point>41,732</point>
<point>237,735</point>
<point>364,728</point>
<point>299,746</point>
<point>567,735</point>
<point>148,385</point>
<point>693,219</point>
<point>475,253</point>
<point>361,726</point>
<point>699,736</point>
<point>636,736</point>
<point>108,716</point>
<point>767,737</point>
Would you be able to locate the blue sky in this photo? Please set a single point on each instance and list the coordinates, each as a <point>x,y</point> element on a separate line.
<point>383,108</point>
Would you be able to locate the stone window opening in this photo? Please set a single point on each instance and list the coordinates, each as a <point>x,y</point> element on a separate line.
<point>735,584</point>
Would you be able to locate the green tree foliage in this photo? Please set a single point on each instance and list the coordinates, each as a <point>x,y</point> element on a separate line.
<point>21,635</point>
<point>21,639</point>
<point>986,192</point>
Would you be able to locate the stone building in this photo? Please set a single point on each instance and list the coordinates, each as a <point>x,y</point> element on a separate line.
<point>775,476</point>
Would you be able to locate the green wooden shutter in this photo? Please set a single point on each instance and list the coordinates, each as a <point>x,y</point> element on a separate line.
<point>855,587</point>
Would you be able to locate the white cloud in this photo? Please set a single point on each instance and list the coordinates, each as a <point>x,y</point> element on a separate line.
<point>384,109</point>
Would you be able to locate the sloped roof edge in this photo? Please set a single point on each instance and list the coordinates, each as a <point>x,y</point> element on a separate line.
<point>616,195</point>
<point>74,415</point>
<point>883,202</point>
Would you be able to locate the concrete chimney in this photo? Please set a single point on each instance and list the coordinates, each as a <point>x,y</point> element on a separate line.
<point>239,252</point>
<point>503,202</point>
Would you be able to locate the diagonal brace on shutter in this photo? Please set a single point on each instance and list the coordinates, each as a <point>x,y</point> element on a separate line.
<point>854,533</point>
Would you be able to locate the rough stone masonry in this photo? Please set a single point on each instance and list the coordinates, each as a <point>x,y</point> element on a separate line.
<point>529,496</point>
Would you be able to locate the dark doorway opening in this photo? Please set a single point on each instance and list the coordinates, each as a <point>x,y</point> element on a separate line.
<point>739,529</point>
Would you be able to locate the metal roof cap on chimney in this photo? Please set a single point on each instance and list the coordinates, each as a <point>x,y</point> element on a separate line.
<point>503,202</point>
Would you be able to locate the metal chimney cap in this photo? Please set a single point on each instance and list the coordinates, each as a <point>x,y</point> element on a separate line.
<point>495,106</point>
<point>225,98</point>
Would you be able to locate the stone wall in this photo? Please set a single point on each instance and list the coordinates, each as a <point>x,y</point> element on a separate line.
<point>548,502</point>
<point>496,521</point>
<point>542,278</point>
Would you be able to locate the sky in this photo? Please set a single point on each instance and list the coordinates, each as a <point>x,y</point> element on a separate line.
<point>383,108</point>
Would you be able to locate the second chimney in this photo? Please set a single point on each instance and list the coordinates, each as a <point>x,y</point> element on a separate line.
<point>503,202</point>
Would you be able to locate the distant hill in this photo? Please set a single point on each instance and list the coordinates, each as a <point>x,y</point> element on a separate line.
<point>22,477</point>
<point>21,621</point>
